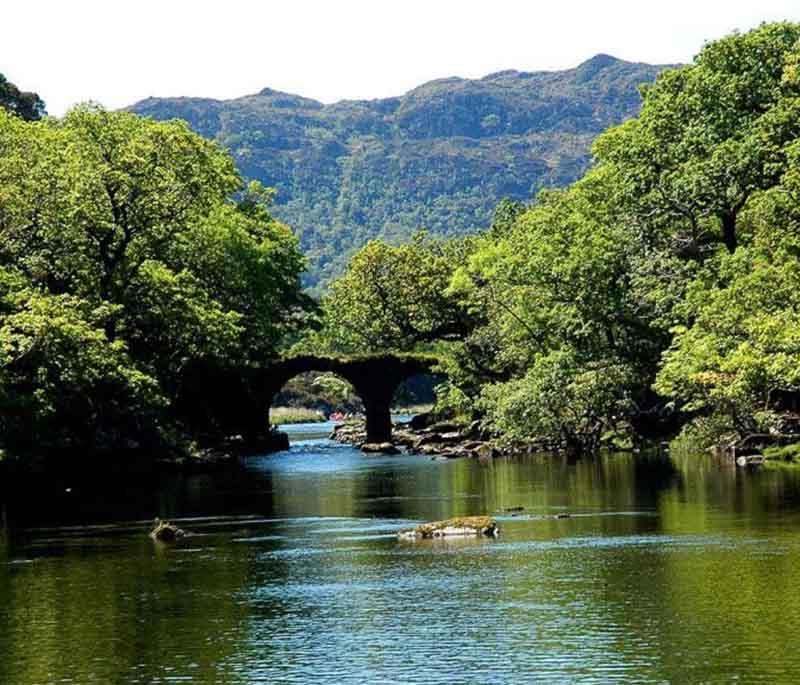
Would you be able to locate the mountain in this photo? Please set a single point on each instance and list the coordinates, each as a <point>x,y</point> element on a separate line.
<point>440,157</point>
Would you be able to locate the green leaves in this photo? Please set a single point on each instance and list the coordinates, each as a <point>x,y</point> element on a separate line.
<point>127,255</point>
<point>672,265</point>
<point>561,400</point>
<point>709,137</point>
<point>744,343</point>
<point>61,379</point>
<point>394,298</point>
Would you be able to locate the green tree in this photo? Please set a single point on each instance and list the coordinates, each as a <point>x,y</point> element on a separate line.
<point>62,383</point>
<point>710,135</point>
<point>681,239</point>
<point>561,400</point>
<point>145,235</point>
<point>557,287</point>
<point>28,106</point>
<point>740,350</point>
<point>394,298</point>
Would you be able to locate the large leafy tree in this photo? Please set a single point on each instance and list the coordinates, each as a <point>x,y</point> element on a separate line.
<point>738,355</point>
<point>710,135</point>
<point>144,233</point>
<point>682,238</point>
<point>394,298</point>
<point>556,294</point>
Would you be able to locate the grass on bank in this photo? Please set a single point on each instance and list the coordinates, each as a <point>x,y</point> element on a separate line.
<point>279,416</point>
<point>412,409</point>
<point>789,454</point>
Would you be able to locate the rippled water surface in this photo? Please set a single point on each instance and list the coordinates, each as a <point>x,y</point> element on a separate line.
<point>666,571</point>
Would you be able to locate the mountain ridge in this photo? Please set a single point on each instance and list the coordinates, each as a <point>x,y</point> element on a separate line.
<point>439,156</point>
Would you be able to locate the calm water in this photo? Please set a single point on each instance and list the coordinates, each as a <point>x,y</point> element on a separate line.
<point>666,572</point>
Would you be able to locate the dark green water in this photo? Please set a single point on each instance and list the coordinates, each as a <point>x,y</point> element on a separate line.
<point>666,572</point>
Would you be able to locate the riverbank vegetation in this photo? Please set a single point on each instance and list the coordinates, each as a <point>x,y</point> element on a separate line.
<point>134,262</point>
<point>656,294</point>
<point>280,416</point>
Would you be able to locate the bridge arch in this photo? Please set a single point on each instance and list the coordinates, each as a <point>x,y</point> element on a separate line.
<point>375,378</point>
<point>219,401</point>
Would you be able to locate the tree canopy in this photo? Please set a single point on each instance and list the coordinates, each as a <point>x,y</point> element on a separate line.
<point>393,298</point>
<point>129,250</point>
<point>660,288</point>
<point>28,106</point>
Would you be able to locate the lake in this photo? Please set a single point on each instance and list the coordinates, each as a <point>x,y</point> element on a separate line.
<point>667,570</point>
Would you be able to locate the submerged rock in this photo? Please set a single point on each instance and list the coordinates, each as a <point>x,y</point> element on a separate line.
<point>461,526</point>
<point>420,421</point>
<point>486,452</point>
<point>164,531</point>
<point>379,448</point>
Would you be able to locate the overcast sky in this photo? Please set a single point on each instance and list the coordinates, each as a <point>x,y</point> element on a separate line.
<point>120,51</point>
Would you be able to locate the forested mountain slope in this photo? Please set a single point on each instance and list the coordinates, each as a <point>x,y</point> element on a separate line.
<point>440,157</point>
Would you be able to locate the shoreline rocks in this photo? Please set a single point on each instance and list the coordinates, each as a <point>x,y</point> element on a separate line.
<point>444,440</point>
<point>462,526</point>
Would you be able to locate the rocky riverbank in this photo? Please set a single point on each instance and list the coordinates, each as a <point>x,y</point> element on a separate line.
<point>442,440</point>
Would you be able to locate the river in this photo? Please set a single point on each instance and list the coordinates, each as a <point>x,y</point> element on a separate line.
<point>666,571</point>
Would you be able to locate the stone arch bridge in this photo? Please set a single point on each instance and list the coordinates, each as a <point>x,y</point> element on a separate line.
<point>236,400</point>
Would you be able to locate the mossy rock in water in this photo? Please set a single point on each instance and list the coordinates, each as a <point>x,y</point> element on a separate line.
<point>164,531</point>
<point>461,526</point>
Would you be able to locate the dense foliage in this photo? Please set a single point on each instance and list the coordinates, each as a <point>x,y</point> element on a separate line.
<point>129,252</point>
<point>393,298</point>
<point>440,157</point>
<point>28,106</point>
<point>659,289</point>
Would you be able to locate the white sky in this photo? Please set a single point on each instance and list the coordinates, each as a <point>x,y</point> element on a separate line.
<point>120,51</point>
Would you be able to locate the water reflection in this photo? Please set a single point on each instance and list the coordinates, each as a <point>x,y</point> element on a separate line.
<point>667,570</point>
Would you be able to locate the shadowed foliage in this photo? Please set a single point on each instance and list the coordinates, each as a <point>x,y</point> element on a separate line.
<point>28,106</point>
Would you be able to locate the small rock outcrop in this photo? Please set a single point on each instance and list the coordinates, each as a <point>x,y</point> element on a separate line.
<point>462,526</point>
<point>164,531</point>
<point>420,421</point>
<point>379,448</point>
<point>350,433</point>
